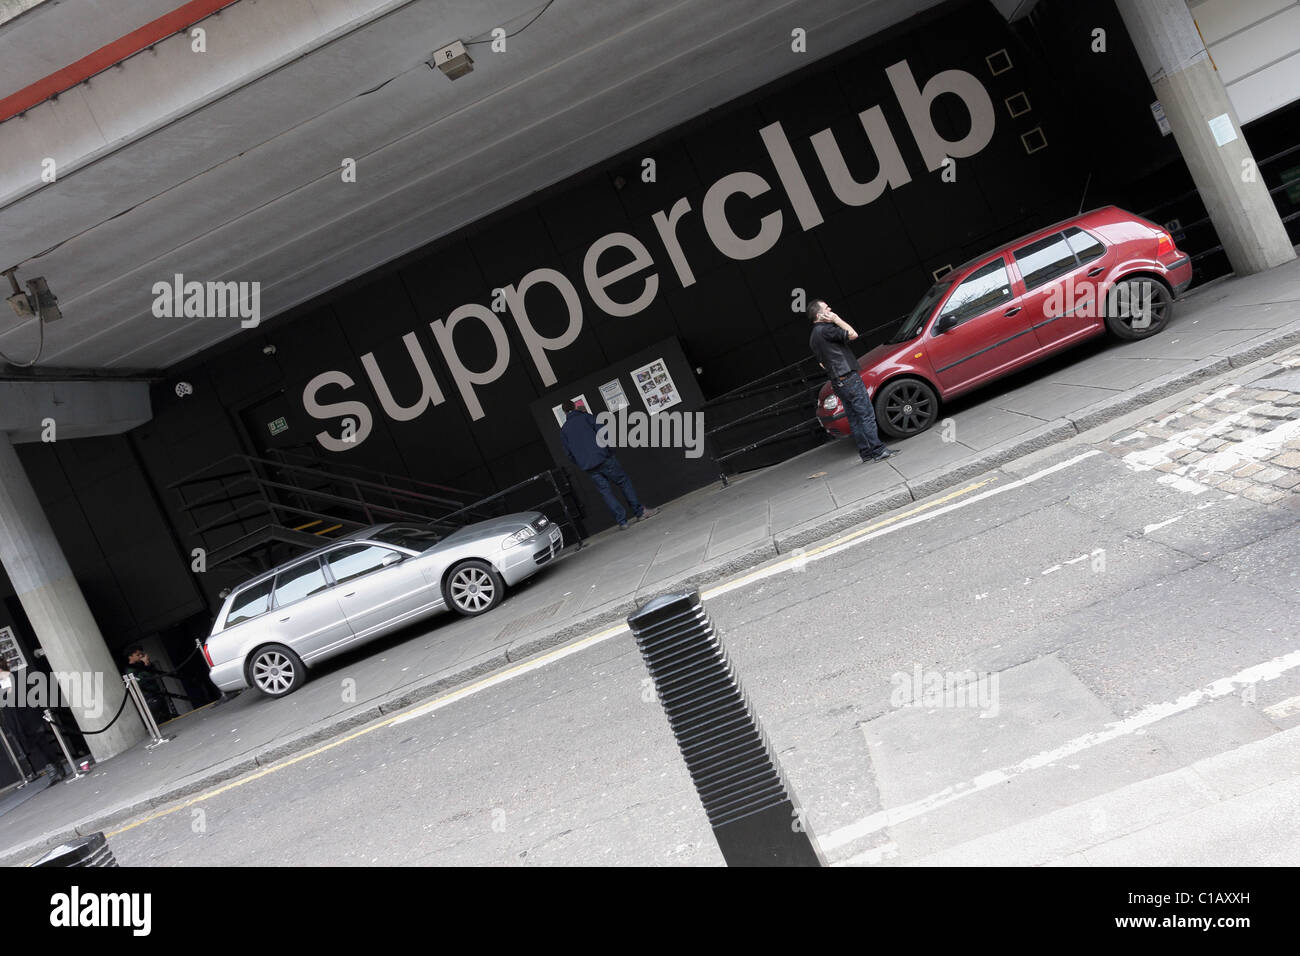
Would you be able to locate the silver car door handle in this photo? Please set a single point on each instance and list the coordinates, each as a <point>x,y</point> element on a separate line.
<point>350,594</point>
<point>283,619</point>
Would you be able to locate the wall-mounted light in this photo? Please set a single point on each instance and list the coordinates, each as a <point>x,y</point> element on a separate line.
<point>453,60</point>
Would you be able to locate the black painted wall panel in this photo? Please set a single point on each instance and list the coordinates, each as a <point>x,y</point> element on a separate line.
<point>735,321</point>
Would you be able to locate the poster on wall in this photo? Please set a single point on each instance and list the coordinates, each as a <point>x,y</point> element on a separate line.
<point>10,651</point>
<point>579,402</point>
<point>613,395</point>
<point>656,385</point>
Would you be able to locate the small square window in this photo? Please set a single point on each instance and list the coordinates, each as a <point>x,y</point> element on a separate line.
<point>998,62</point>
<point>1034,140</point>
<point>1018,104</point>
<point>942,270</point>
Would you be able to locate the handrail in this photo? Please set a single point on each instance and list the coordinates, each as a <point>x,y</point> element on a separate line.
<point>356,484</point>
<point>385,475</point>
<point>286,493</point>
<point>789,399</point>
<point>731,395</point>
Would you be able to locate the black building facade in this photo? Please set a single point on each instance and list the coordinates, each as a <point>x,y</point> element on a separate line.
<point>855,179</point>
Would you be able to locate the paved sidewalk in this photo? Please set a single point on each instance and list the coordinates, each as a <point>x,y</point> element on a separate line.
<point>697,539</point>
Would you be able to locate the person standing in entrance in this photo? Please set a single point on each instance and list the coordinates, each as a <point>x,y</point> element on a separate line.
<point>829,343</point>
<point>580,435</point>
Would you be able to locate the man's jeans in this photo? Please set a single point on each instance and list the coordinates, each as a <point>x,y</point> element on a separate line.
<point>610,471</point>
<point>862,417</point>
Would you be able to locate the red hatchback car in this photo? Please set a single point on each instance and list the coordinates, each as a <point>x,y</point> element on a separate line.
<point>1104,271</point>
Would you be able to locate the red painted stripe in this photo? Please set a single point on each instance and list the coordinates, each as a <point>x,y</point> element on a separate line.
<point>146,36</point>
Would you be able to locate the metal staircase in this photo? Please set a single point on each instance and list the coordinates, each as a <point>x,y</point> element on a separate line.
<point>257,512</point>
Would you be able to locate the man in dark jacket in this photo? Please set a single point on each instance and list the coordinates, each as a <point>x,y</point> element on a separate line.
<point>150,678</point>
<point>829,343</point>
<point>583,445</point>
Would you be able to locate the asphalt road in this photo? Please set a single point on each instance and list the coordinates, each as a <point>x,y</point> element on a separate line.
<point>1072,603</point>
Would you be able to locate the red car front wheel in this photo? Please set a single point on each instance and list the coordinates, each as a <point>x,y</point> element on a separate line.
<point>905,407</point>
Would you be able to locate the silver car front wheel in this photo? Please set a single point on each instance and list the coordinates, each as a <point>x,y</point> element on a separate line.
<point>474,587</point>
<point>276,671</point>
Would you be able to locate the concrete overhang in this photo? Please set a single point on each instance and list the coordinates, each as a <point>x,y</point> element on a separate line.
<point>225,165</point>
<point>53,411</point>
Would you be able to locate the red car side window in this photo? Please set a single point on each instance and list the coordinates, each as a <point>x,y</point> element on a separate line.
<point>982,290</point>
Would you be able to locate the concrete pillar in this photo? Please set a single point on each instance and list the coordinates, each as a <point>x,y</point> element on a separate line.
<point>57,609</point>
<point>1188,86</point>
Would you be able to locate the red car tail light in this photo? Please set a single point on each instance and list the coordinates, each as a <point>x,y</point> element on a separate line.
<point>1165,244</point>
<point>207,657</point>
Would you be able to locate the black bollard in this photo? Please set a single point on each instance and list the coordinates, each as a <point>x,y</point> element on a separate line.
<point>745,795</point>
<point>88,851</point>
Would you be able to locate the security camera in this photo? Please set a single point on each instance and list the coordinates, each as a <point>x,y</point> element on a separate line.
<point>22,305</point>
<point>37,300</point>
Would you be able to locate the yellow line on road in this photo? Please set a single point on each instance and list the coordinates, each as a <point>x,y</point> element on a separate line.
<point>468,689</point>
<point>534,662</point>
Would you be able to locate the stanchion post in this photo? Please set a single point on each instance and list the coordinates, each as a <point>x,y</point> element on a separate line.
<point>142,707</point>
<point>751,808</point>
<point>13,758</point>
<point>67,754</point>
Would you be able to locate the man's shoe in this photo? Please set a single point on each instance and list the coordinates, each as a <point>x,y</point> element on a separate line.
<point>885,453</point>
<point>622,526</point>
<point>647,513</point>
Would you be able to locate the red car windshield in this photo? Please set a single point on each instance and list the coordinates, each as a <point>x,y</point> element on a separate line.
<point>915,320</point>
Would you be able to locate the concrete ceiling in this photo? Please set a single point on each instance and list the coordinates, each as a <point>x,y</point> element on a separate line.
<point>225,165</point>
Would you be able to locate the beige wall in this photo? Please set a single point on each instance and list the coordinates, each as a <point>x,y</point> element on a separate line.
<point>1255,45</point>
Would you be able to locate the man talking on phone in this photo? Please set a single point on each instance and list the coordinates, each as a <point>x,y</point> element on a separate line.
<point>829,343</point>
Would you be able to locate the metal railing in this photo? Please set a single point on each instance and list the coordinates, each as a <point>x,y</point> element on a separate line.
<point>796,379</point>
<point>270,502</point>
<point>1204,220</point>
<point>801,381</point>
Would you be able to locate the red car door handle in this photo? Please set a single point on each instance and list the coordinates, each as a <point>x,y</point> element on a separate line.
<point>1096,272</point>
<point>1012,311</point>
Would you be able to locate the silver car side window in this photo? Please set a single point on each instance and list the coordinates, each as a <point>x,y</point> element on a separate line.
<point>298,582</point>
<point>352,562</point>
<point>249,603</point>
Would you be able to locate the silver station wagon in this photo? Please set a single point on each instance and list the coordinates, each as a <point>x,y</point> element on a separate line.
<point>371,582</point>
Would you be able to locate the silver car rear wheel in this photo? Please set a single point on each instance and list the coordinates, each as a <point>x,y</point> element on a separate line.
<point>275,670</point>
<point>474,587</point>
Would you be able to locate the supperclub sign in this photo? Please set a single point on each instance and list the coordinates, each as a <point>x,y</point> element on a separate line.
<point>618,256</point>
